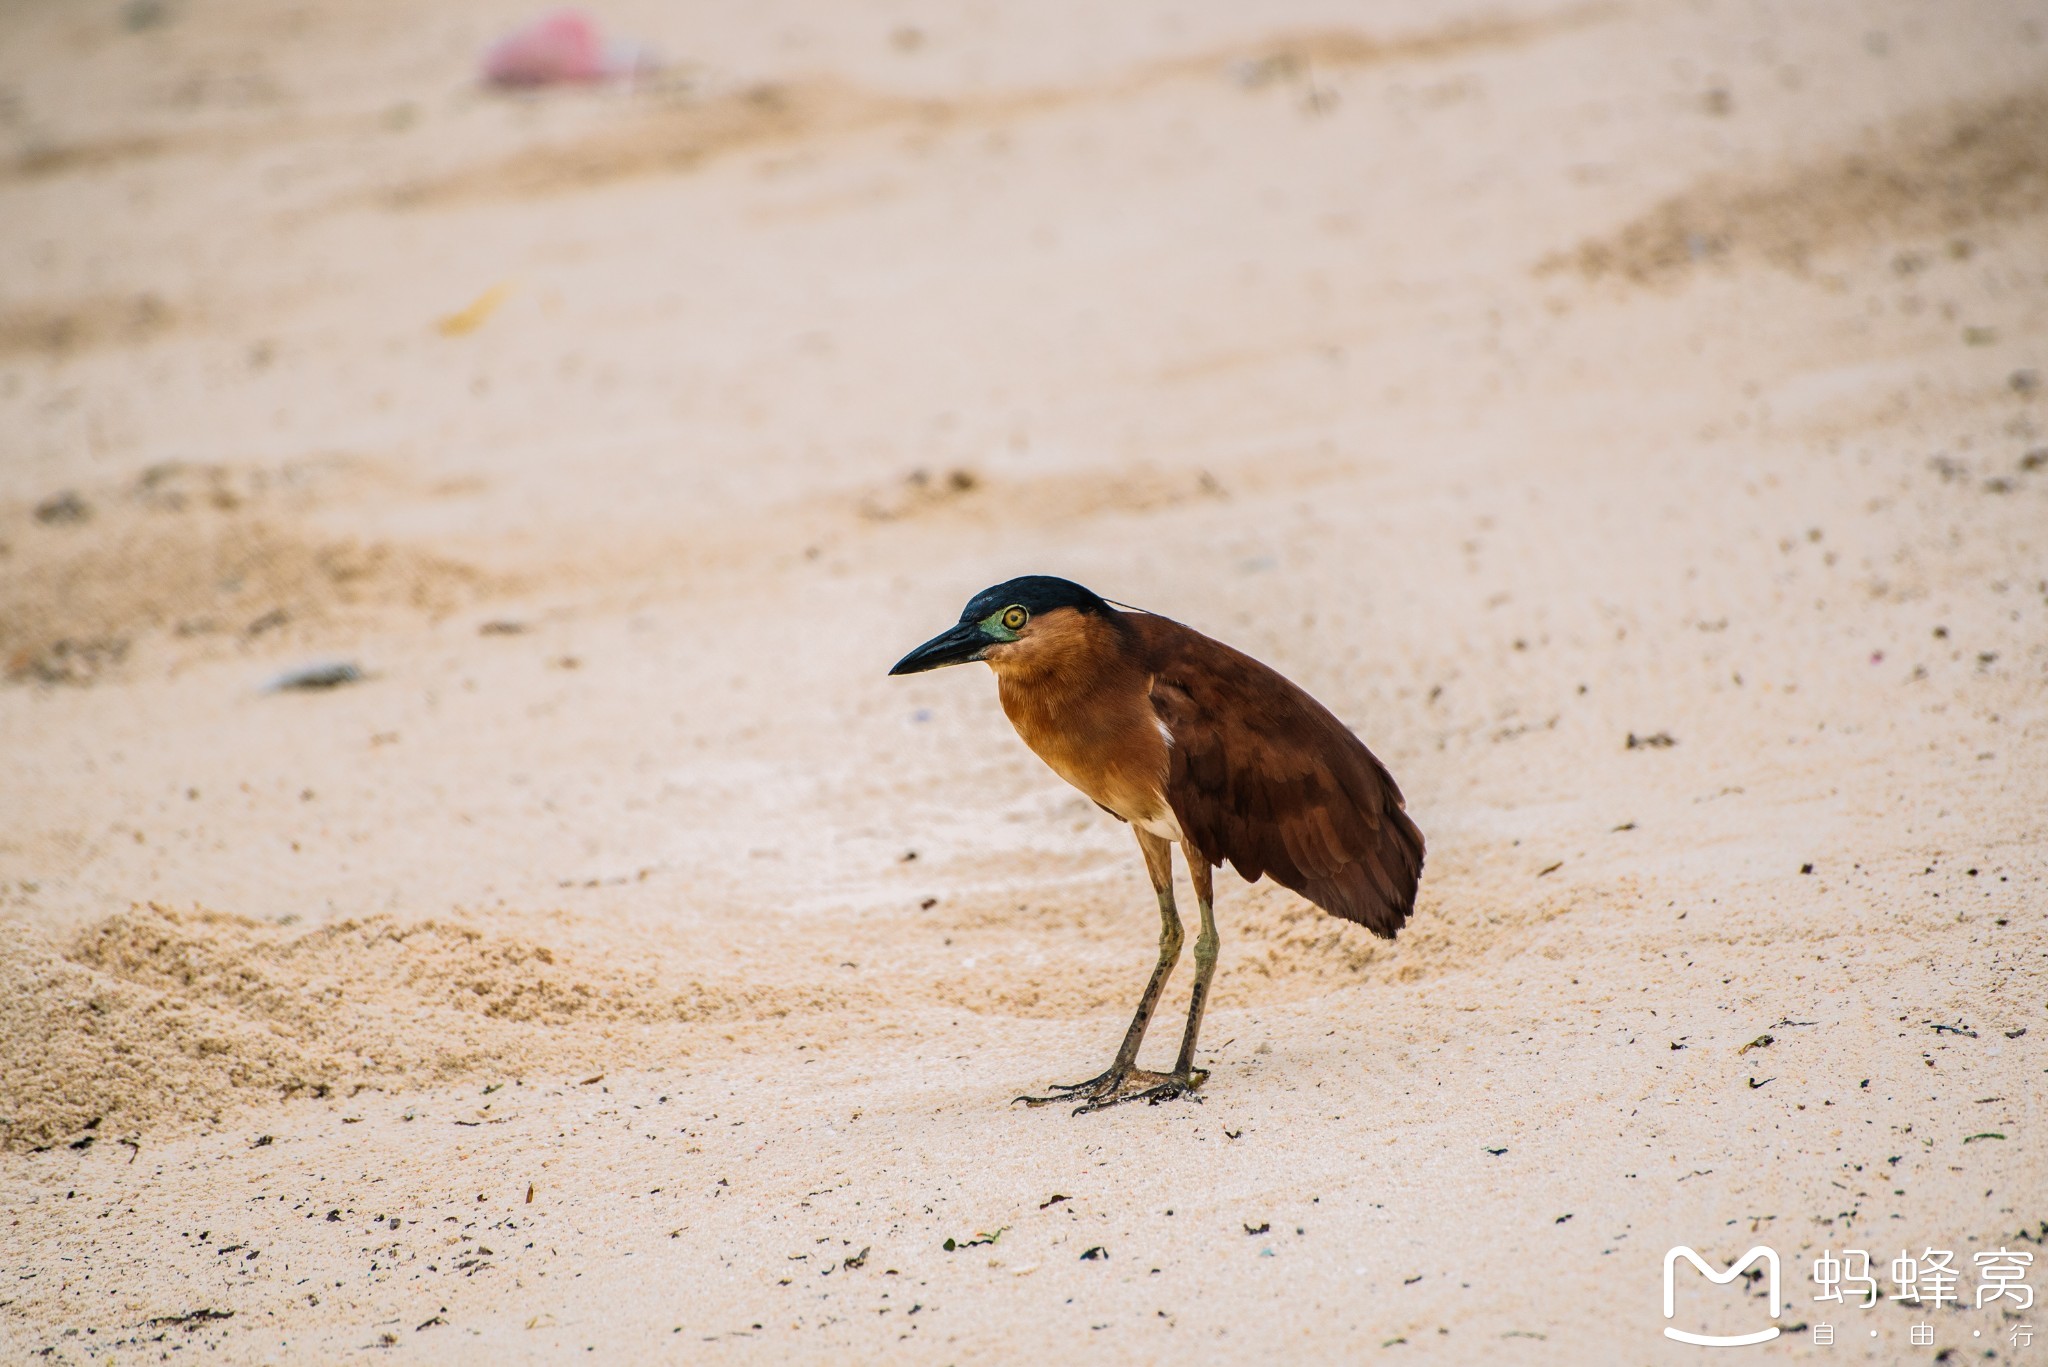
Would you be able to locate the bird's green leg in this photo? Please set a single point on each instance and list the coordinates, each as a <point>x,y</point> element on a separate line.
<point>1206,945</point>
<point>1108,1088</point>
<point>1136,1084</point>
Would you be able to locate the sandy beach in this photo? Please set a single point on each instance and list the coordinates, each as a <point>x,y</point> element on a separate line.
<point>1632,419</point>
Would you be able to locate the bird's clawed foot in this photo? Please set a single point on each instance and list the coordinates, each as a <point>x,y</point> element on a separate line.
<point>1120,1085</point>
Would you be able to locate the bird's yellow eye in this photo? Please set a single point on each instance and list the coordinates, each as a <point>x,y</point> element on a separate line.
<point>1014,618</point>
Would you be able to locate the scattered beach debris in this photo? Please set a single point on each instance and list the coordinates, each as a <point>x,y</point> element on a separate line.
<point>138,15</point>
<point>920,491</point>
<point>313,678</point>
<point>191,1319</point>
<point>1094,1254</point>
<point>63,508</point>
<point>986,1236</point>
<point>564,47</point>
<point>1660,740</point>
<point>1760,1042</point>
<point>1262,1227</point>
<point>473,315</point>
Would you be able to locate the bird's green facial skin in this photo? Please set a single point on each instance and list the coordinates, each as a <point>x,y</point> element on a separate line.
<point>993,626</point>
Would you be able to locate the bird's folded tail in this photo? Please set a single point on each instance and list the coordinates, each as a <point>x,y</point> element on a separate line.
<point>1375,886</point>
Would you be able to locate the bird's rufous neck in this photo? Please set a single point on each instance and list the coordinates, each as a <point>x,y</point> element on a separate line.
<point>1063,653</point>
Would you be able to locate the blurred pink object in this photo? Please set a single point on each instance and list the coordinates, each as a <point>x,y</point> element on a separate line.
<point>559,48</point>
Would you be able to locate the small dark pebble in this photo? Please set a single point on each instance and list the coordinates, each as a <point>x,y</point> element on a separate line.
<point>315,677</point>
<point>1660,741</point>
<point>62,508</point>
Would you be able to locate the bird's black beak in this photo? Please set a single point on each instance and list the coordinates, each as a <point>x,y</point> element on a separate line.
<point>955,646</point>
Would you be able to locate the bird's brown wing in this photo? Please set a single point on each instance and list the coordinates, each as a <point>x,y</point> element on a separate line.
<point>1264,776</point>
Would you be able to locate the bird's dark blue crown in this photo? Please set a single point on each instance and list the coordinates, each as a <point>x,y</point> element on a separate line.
<point>1035,593</point>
